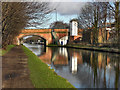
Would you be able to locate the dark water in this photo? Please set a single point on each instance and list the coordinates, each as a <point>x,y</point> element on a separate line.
<point>82,68</point>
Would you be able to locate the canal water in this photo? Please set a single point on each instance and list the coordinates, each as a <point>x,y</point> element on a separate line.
<point>82,68</point>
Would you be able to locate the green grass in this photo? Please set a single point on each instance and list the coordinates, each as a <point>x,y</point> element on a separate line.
<point>3,52</point>
<point>41,75</point>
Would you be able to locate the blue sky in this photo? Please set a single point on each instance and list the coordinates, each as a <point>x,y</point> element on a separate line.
<point>65,12</point>
<point>64,18</point>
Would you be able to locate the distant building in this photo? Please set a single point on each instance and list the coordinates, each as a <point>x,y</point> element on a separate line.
<point>73,27</point>
<point>63,40</point>
<point>105,34</point>
<point>74,32</point>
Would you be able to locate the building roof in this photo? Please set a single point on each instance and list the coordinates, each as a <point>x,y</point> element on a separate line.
<point>74,20</point>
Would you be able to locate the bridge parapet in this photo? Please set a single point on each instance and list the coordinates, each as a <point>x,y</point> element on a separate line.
<point>36,31</point>
<point>44,30</point>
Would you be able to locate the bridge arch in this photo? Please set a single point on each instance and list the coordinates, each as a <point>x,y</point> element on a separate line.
<point>44,36</point>
<point>38,37</point>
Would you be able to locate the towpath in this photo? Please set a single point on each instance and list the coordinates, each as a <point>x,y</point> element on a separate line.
<point>15,72</point>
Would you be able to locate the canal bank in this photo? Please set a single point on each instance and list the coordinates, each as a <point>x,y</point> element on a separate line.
<point>91,48</point>
<point>82,68</point>
<point>23,69</point>
<point>3,52</point>
<point>41,74</point>
<point>93,68</point>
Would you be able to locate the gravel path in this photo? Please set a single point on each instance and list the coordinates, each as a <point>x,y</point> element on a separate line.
<point>15,72</point>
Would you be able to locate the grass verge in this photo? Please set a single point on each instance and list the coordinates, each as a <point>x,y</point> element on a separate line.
<point>3,52</point>
<point>41,74</point>
<point>91,48</point>
<point>95,48</point>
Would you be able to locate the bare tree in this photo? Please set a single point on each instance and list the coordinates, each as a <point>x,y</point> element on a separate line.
<point>86,16</point>
<point>115,13</point>
<point>117,22</point>
<point>18,15</point>
<point>59,25</point>
<point>0,24</point>
<point>96,15</point>
<point>90,18</point>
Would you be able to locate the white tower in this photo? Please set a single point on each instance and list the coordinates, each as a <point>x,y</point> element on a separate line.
<point>73,27</point>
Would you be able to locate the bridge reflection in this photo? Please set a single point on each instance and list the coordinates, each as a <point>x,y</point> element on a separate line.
<point>64,56</point>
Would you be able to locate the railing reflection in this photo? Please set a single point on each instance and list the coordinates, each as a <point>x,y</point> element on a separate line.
<point>63,52</point>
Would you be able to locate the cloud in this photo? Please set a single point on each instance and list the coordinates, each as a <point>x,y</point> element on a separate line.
<point>67,8</point>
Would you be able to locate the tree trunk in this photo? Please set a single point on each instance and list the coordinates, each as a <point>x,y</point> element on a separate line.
<point>117,22</point>
<point>95,30</point>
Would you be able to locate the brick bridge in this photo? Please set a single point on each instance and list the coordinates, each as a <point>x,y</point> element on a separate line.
<point>43,33</point>
<point>46,34</point>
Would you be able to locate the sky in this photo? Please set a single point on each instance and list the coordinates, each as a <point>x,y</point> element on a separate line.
<point>66,9</point>
<point>65,12</point>
<point>64,18</point>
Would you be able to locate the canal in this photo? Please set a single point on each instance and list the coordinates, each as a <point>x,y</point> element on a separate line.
<point>82,68</point>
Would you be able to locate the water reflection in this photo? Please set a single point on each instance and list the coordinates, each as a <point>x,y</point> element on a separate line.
<point>84,69</point>
<point>37,49</point>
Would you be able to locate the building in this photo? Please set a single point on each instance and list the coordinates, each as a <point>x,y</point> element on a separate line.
<point>73,31</point>
<point>73,27</point>
<point>63,40</point>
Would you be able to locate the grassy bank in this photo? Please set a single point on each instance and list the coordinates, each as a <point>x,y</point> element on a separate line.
<point>41,74</point>
<point>3,52</point>
<point>85,47</point>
